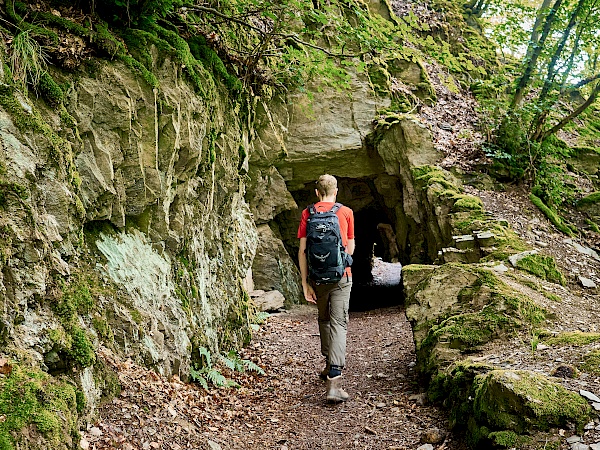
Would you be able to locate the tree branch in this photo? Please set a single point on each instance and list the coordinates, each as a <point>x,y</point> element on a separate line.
<point>293,37</point>
<point>587,81</point>
<point>591,99</point>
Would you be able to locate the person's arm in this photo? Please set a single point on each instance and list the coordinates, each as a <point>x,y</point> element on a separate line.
<point>309,292</point>
<point>350,247</point>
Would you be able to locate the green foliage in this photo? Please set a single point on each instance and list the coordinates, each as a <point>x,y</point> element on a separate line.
<point>202,52</point>
<point>260,317</point>
<point>233,361</point>
<point>27,59</point>
<point>137,12</point>
<point>543,267</point>
<point>204,372</point>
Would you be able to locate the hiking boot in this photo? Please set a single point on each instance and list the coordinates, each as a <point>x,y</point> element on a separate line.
<point>325,372</point>
<point>335,393</point>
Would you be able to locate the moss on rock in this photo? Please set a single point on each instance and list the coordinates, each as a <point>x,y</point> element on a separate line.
<point>543,267</point>
<point>591,363</point>
<point>576,338</point>
<point>556,220</point>
<point>29,397</point>
<point>592,199</point>
<point>522,401</point>
<point>504,407</point>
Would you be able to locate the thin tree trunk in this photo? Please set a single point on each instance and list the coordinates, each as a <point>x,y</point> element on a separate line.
<point>534,50</point>
<point>535,34</point>
<point>542,116</point>
<point>559,49</point>
<point>560,125</point>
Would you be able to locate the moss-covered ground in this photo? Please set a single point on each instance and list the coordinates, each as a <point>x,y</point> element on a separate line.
<point>576,338</point>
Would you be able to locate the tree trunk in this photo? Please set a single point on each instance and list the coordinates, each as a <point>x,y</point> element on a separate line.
<point>535,49</point>
<point>542,116</point>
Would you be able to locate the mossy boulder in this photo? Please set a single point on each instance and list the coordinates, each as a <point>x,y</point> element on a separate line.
<point>543,267</point>
<point>590,205</point>
<point>455,308</point>
<point>520,401</point>
<point>505,408</point>
<point>38,411</point>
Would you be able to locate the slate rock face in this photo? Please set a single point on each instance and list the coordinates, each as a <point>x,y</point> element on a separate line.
<point>143,204</point>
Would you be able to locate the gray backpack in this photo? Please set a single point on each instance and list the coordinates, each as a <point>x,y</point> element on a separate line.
<point>325,252</point>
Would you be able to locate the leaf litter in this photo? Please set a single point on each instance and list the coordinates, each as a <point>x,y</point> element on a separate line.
<point>286,408</point>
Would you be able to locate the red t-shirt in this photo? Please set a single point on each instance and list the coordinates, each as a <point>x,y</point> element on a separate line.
<point>345,217</point>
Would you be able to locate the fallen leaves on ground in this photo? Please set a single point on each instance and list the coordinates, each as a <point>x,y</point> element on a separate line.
<point>286,408</point>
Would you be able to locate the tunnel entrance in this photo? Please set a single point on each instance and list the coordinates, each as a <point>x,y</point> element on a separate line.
<point>376,270</point>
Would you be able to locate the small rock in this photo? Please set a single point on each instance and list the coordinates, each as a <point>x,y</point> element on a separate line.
<point>370,431</point>
<point>213,445</point>
<point>84,444</point>
<point>596,406</point>
<point>500,268</point>
<point>573,439</point>
<point>95,431</point>
<point>541,244</point>
<point>433,436</point>
<point>586,251</point>
<point>595,446</point>
<point>425,447</point>
<point>589,426</point>
<point>269,301</point>
<point>580,446</point>
<point>445,126</point>
<point>586,282</point>
<point>589,396</point>
<point>419,399</point>
<point>380,405</point>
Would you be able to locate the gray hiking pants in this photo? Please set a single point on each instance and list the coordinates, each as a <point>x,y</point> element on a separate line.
<point>332,302</point>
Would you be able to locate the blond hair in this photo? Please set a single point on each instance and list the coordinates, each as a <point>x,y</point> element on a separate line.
<point>326,185</point>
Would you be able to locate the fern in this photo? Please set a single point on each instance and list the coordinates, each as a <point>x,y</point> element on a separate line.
<point>216,377</point>
<point>233,361</point>
<point>260,317</point>
<point>206,354</point>
<point>197,377</point>
<point>253,367</point>
<point>207,374</point>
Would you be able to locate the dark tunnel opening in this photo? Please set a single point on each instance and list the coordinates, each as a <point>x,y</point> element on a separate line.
<point>376,246</point>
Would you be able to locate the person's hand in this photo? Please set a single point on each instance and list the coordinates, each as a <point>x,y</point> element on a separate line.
<point>309,293</point>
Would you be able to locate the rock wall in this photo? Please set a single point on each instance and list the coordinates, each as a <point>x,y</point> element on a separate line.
<point>123,223</point>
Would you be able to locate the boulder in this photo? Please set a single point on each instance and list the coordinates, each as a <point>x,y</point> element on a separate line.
<point>267,194</point>
<point>267,301</point>
<point>274,269</point>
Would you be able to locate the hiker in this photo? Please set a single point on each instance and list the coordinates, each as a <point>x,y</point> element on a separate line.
<point>326,275</point>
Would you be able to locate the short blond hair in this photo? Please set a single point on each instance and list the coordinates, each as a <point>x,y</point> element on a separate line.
<point>326,185</point>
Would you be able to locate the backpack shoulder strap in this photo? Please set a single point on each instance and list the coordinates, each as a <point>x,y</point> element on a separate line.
<point>311,209</point>
<point>335,208</point>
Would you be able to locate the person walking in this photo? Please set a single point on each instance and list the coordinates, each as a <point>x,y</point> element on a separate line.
<point>329,288</point>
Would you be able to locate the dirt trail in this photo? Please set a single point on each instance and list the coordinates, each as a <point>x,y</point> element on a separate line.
<point>286,408</point>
